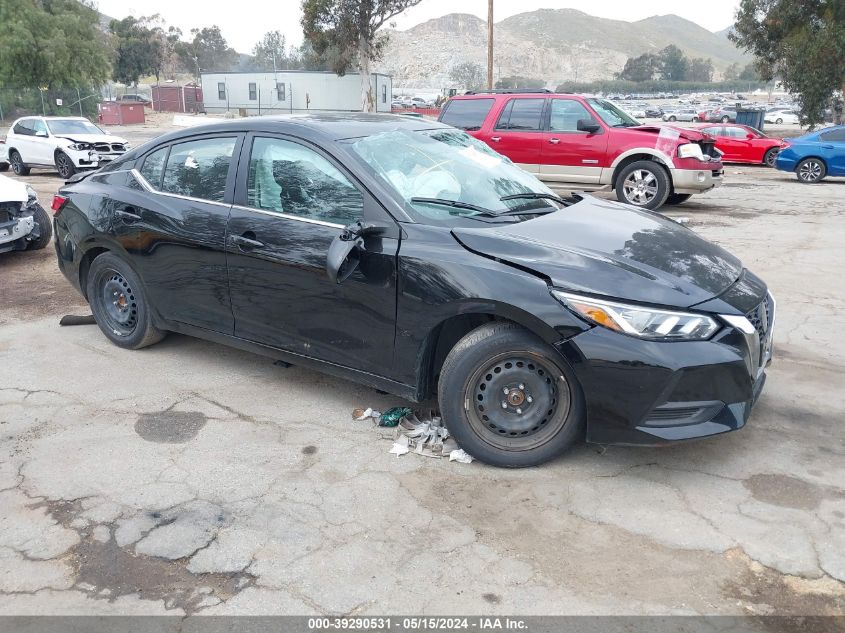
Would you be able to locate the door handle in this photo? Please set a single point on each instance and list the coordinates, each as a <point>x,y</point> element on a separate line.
<point>246,243</point>
<point>554,141</point>
<point>827,146</point>
<point>495,139</point>
<point>127,214</point>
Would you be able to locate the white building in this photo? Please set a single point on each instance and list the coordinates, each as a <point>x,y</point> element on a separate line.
<point>291,91</point>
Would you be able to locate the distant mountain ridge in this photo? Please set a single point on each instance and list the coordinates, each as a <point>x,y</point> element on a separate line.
<point>550,44</point>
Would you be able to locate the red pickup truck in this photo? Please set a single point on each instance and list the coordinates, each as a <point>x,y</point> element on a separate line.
<point>578,143</point>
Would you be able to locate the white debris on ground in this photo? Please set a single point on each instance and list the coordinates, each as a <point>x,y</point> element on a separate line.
<point>428,437</point>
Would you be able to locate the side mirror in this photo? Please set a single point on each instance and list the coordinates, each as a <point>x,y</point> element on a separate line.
<point>344,254</point>
<point>588,125</point>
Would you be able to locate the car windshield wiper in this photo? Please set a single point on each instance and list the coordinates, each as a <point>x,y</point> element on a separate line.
<point>534,195</point>
<point>457,204</point>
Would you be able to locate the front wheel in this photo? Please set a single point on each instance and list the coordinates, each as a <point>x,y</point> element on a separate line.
<point>779,122</point>
<point>770,157</point>
<point>725,119</point>
<point>672,119</point>
<point>4,166</point>
<point>45,229</point>
<point>509,399</point>
<point>64,165</point>
<point>695,119</point>
<point>119,305</point>
<point>811,170</point>
<point>644,183</point>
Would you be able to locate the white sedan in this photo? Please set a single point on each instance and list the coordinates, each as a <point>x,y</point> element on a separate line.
<point>66,143</point>
<point>782,116</point>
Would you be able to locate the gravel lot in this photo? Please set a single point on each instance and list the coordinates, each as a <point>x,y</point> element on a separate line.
<point>193,478</point>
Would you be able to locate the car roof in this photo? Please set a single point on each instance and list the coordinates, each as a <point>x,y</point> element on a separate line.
<point>329,125</point>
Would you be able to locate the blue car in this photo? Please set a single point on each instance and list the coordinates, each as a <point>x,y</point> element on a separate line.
<point>815,155</point>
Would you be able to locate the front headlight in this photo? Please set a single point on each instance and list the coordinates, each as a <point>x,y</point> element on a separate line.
<point>690,150</point>
<point>79,147</point>
<point>640,321</point>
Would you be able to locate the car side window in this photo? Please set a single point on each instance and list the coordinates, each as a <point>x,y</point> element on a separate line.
<point>565,115</point>
<point>522,114</point>
<point>199,169</point>
<point>39,127</point>
<point>153,167</point>
<point>289,178</point>
<point>23,128</point>
<point>837,136</point>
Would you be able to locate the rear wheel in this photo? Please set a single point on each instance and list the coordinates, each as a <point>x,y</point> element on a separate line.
<point>811,170</point>
<point>770,157</point>
<point>45,229</point>
<point>119,305</point>
<point>726,119</point>
<point>779,121</point>
<point>64,165</point>
<point>508,399</point>
<point>644,183</point>
<point>18,166</point>
<point>695,119</point>
<point>678,198</point>
<point>673,119</point>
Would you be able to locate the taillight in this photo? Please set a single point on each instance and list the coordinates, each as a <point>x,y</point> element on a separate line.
<point>58,203</point>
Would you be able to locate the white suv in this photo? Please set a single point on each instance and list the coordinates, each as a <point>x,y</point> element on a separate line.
<point>66,143</point>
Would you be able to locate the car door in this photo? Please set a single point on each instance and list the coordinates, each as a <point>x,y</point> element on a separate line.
<point>171,221</point>
<point>24,133</point>
<point>833,148</point>
<point>517,132</point>
<point>293,200</point>
<point>567,154</point>
<point>736,140</point>
<point>42,146</point>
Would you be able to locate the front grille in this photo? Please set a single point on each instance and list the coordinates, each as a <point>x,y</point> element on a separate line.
<point>8,210</point>
<point>117,147</point>
<point>102,147</point>
<point>680,413</point>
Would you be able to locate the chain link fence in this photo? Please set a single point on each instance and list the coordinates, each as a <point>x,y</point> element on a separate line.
<point>18,102</point>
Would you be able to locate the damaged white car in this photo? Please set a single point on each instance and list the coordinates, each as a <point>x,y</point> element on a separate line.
<point>69,144</point>
<point>24,224</point>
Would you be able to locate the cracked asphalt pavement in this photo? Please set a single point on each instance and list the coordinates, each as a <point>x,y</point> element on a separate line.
<point>191,478</point>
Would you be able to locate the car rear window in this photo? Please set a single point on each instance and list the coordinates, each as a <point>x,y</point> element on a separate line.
<point>466,114</point>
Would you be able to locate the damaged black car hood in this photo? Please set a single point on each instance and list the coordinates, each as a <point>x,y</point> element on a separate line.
<point>605,248</point>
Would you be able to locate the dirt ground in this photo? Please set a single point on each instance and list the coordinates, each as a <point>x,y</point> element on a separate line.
<point>192,478</point>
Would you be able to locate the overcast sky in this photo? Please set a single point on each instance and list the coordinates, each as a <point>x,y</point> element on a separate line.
<point>243,22</point>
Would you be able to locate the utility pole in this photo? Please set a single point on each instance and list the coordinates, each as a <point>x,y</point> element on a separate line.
<point>489,44</point>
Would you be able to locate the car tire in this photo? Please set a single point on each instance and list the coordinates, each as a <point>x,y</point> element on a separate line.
<point>45,229</point>
<point>695,119</point>
<point>672,119</point>
<point>678,198</point>
<point>770,157</point>
<point>119,304</point>
<point>4,166</point>
<point>544,413</point>
<point>811,170</point>
<point>726,119</point>
<point>18,166</point>
<point>64,165</point>
<point>779,122</point>
<point>655,190</point>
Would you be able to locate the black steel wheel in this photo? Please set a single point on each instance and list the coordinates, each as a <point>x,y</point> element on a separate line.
<point>770,157</point>
<point>18,166</point>
<point>811,170</point>
<point>116,297</point>
<point>509,399</point>
<point>64,165</point>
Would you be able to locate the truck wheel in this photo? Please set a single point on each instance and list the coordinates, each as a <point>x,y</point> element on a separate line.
<point>18,166</point>
<point>45,229</point>
<point>678,198</point>
<point>644,183</point>
<point>770,157</point>
<point>508,399</point>
<point>64,165</point>
<point>119,305</point>
<point>811,170</point>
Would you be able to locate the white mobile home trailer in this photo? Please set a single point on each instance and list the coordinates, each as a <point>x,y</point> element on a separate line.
<point>291,91</point>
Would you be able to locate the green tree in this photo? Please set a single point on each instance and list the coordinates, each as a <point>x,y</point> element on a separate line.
<point>272,52</point>
<point>731,72</point>
<point>749,73</point>
<point>700,69</point>
<point>674,66</point>
<point>802,43</point>
<point>642,68</point>
<point>468,75</point>
<point>207,50</point>
<point>348,30</point>
<point>51,43</point>
<point>518,81</point>
<point>138,50</point>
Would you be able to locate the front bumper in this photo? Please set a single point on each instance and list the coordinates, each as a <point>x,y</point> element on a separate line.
<point>15,229</point>
<point>89,158</point>
<point>696,180</point>
<point>651,393</point>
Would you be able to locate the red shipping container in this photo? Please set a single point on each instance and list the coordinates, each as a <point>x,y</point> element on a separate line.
<point>116,113</point>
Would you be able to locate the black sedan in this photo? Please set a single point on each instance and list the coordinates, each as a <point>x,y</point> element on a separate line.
<point>404,254</point>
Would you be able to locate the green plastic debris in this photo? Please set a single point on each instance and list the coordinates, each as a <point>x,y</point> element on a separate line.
<point>392,416</point>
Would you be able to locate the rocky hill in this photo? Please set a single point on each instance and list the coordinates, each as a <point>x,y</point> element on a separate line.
<point>552,44</point>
